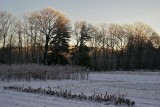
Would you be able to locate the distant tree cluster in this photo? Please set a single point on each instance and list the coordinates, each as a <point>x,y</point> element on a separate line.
<point>48,37</point>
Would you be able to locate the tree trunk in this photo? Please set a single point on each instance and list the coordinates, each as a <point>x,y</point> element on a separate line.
<point>46,50</point>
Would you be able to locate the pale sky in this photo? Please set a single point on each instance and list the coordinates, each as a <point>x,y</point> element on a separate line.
<point>94,11</point>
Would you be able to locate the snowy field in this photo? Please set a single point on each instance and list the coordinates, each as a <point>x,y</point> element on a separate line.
<point>142,87</point>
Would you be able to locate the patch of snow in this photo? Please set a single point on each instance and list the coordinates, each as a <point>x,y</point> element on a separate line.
<point>143,88</point>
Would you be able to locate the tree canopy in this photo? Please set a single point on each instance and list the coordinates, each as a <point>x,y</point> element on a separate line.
<point>47,36</point>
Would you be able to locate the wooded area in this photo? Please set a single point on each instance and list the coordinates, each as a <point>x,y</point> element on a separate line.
<point>48,37</point>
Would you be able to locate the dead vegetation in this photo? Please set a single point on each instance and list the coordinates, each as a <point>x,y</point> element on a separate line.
<point>67,94</point>
<point>28,72</point>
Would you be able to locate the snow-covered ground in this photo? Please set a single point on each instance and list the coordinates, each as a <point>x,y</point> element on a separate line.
<point>142,87</point>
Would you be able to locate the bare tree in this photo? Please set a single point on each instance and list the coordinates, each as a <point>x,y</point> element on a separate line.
<point>112,43</point>
<point>103,42</point>
<point>120,44</point>
<point>11,43</point>
<point>95,44</point>
<point>6,24</point>
<point>47,21</point>
<point>34,37</point>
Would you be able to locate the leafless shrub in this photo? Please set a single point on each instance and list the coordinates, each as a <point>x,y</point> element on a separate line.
<point>67,94</point>
<point>29,72</point>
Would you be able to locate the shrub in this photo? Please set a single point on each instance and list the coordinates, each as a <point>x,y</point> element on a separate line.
<point>29,72</point>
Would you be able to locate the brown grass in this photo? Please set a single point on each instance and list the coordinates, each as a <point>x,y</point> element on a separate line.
<point>28,72</point>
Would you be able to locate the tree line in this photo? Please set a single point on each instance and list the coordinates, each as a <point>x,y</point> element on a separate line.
<point>48,37</point>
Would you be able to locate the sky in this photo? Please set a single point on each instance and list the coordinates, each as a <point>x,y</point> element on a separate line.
<point>93,11</point>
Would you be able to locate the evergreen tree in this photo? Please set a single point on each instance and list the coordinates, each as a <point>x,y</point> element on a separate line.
<point>80,56</point>
<point>60,44</point>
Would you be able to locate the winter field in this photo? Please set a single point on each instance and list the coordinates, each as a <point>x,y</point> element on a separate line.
<point>142,87</point>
